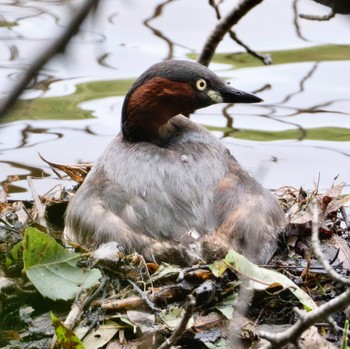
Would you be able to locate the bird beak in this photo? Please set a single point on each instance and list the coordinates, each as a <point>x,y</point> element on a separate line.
<point>231,95</point>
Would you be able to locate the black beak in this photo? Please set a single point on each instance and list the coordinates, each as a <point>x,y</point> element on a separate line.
<point>231,95</point>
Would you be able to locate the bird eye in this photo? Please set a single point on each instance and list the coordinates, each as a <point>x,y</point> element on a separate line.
<point>201,84</point>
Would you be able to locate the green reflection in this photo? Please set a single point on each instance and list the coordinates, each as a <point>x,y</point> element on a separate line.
<point>309,54</point>
<point>322,133</point>
<point>66,107</point>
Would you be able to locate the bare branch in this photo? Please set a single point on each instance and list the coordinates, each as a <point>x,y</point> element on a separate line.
<point>224,25</point>
<point>57,46</point>
<point>293,333</point>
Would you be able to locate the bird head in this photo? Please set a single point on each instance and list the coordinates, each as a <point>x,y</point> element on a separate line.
<point>170,88</point>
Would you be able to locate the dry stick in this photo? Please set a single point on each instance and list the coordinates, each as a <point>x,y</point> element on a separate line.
<point>57,46</point>
<point>74,314</point>
<point>224,25</point>
<point>144,297</point>
<point>292,335</point>
<point>39,206</point>
<point>181,328</point>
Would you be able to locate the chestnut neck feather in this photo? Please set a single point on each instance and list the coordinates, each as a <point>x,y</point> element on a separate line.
<point>148,108</point>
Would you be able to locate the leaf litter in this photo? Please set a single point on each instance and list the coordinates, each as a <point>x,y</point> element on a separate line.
<point>134,304</point>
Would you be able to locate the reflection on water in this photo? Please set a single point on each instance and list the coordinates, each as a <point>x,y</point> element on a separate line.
<point>302,129</point>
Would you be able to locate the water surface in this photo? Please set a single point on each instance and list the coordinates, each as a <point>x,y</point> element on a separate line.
<point>300,133</point>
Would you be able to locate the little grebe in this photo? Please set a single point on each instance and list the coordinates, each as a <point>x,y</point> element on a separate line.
<point>166,187</point>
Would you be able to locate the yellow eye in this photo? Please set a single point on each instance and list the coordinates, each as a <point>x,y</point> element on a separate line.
<point>201,84</point>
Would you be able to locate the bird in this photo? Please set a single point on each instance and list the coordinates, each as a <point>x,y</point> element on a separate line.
<point>166,187</point>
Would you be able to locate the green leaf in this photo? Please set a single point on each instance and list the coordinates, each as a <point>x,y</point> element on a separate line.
<point>66,337</point>
<point>219,344</point>
<point>14,255</point>
<point>261,278</point>
<point>345,335</point>
<point>219,267</point>
<point>52,269</point>
<point>226,308</point>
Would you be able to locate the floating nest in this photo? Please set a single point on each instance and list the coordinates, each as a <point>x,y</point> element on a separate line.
<point>135,304</point>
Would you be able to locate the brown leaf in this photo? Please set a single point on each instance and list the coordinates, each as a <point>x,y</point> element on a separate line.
<point>334,191</point>
<point>344,251</point>
<point>300,215</point>
<point>206,322</point>
<point>77,172</point>
<point>144,320</point>
<point>337,203</point>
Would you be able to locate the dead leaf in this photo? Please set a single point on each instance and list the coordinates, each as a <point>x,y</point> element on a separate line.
<point>115,344</point>
<point>3,196</point>
<point>97,338</point>
<point>77,172</point>
<point>335,191</point>
<point>144,320</point>
<point>344,251</point>
<point>337,203</point>
<point>206,322</point>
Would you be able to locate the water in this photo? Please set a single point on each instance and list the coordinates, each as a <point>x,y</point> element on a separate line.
<point>300,132</point>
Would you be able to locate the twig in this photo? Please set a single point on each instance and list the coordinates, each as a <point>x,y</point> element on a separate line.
<point>74,315</point>
<point>121,304</point>
<point>296,21</point>
<point>345,217</point>
<point>223,26</point>
<point>319,18</point>
<point>144,297</point>
<point>39,206</point>
<point>101,287</point>
<point>181,328</point>
<point>293,333</point>
<point>57,46</point>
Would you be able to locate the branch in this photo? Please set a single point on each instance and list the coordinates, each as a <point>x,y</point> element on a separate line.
<point>224,25</point>
<point>57,46</point>
<point>293,334</point>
